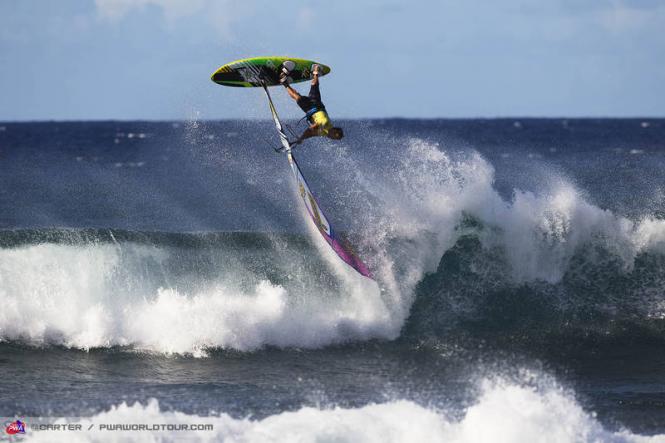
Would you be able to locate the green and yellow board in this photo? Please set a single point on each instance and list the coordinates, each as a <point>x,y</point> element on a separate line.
<point>256,71</point>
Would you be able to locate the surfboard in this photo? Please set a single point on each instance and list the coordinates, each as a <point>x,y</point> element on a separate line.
<point>253,72</point>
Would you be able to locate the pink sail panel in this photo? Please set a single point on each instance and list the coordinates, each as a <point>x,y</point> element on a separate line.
<point>341,247</point>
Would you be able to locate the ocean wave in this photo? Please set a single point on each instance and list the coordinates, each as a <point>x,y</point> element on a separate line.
<point>451,254</point>
<point>466,259</point>
<point>504,411</point>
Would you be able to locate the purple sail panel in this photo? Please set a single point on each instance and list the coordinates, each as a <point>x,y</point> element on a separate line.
<point>349,256</point>
<point>341,247</point>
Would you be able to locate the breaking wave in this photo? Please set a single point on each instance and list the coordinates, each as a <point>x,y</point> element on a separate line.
<point>451,255</point>
<point>186,295</point>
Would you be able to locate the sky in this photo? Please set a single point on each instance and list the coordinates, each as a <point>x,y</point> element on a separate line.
<point>152,59</point>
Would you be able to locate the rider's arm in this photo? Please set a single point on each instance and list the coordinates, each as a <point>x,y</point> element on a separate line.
<point>309,132</point>
<point>292,92</point>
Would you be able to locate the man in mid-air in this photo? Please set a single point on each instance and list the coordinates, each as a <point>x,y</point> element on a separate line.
<point>315,111</point>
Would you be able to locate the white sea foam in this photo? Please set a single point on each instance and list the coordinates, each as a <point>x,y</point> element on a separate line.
<point>98,296</point>
<point>504,412</point>
<point>539,232</point>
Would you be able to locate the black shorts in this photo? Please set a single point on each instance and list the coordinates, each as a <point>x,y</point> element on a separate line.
<point>313,100</point>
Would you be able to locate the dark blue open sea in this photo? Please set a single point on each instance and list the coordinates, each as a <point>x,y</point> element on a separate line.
<point>163,273</point>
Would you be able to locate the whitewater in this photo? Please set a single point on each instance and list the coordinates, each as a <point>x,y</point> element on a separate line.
<point>504,412</point>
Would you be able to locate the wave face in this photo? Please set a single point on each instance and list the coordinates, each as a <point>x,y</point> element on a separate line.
<point>503,412</point>
<point>458,249</point>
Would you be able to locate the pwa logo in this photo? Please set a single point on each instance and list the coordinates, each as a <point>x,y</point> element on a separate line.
<point>15,427</point>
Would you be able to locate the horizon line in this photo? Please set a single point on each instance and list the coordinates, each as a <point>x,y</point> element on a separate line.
<point>150,120</point>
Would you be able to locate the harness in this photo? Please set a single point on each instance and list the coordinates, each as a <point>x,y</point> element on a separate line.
<point>311,112</point>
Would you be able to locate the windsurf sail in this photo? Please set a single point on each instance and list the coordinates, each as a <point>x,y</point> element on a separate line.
<point>338,243</point>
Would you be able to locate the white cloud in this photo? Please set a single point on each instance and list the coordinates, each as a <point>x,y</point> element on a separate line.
<point>172,9</point>
<point>306,18</point>
<point>221,15</point>
<point>620,17</point>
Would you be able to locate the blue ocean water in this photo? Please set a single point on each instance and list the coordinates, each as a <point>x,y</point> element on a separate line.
<point>164,271</point>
